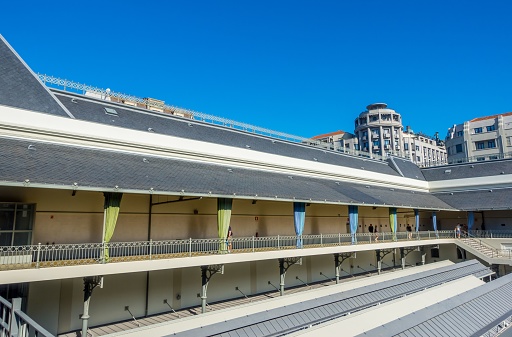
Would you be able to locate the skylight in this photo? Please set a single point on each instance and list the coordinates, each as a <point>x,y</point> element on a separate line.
<point>110,111</point>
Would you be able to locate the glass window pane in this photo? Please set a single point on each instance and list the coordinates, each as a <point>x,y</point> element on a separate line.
<point>21,239</point>
<point>24,216</point>
<point>6,216</point>
<point>5,239</point>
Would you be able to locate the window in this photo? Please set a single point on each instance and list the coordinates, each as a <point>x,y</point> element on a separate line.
<point>356,146</point>
<point>509,141</point>
<point>493,157</point>
<point>479,145</point>
<point>376,143</point>
<point>460,133</point>
<point>387,142</point>
<point>458,148</point>
<point>491,128</point>
<point>16,221</point>
<point>406,146</point>
<point>434,252</point>
<point>417,147</point>
<point>478,130</point>
<point>480,158</point>
<point>491,144</point>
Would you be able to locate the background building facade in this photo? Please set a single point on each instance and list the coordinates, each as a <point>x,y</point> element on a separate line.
<point>379,131</point>
<point>483,138</point>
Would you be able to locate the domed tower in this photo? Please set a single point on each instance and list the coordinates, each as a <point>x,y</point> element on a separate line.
<point>379,130</point>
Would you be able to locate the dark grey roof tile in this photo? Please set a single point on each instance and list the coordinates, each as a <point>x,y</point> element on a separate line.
<point>19,87</point>
<point>55,164</point>
<point>93,110</point>
<point>468,170</point>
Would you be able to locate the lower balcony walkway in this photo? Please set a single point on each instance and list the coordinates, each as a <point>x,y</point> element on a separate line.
<point>55,262</point>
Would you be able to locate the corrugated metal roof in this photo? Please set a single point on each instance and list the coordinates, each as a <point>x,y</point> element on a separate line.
<point>470,314</point>
<point>287,319</point>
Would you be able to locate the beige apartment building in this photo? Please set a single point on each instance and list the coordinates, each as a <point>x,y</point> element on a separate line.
<point>479,139</point>
<point>379,132</point>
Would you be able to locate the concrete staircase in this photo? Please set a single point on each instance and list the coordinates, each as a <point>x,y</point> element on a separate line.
<point>478,245</point>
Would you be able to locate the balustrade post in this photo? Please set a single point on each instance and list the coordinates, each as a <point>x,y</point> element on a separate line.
<point>38,254</point>
<point>429,234</point>
<point>321,240</point>
<point>339,238</point>
<point>104,257</point>
<point>15,320</point>
<point>150,248</point>
<point>253,244</point>
<point>278,247</point>
<point>190,247</point>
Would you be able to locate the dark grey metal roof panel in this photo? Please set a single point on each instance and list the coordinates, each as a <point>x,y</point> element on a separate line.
<point>488,199</point>
<point>469,314</point>
<point>299,315</point>
<point>468,170</point>
<point>92,110</point>
<point>65,165</point>
<point>20,88</point>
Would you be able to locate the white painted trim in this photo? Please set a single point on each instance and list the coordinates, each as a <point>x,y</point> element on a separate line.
<point>30,125</point>
<point>467,184</point>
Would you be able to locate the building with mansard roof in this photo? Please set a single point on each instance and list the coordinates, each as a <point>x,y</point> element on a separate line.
<point>125,216</point>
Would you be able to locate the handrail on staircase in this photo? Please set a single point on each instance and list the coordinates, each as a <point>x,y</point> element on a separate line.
<point>494,251</point>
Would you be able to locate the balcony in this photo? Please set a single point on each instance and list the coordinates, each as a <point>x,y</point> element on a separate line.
<point>387,135</point>
<point>397,147</point>
<point>60,255</point>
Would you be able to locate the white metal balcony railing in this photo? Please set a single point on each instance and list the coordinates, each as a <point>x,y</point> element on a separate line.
<point>15,323</point>
<point>41,256</point>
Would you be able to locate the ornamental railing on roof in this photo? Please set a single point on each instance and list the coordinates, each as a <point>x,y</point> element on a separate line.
<point>158,105</point>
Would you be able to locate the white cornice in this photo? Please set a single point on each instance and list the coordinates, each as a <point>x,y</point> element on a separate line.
<point>468,184</point>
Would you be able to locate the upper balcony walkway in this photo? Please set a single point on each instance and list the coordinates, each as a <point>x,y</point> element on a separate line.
<point>48,262</point>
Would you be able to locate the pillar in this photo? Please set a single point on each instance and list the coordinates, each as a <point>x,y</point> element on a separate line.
<point>282,273</point>
<point>379,261</point>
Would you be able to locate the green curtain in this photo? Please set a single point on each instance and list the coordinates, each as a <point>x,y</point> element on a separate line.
<point>224,206</point>
<point>111,209</point>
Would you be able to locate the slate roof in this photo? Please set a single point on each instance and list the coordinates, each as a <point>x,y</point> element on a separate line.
<point>487,199</point>
<point>20,88</point>
<point>92,110</point>
<point>63,165</point>
<point>468,170</point>
<point>292,318</point>
<point>472,313</point>
<point>406,168</point>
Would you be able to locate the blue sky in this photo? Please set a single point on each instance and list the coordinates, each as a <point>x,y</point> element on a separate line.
<point>302,67</point>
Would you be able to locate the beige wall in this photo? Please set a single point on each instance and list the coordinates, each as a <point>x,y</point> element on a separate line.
<point>63,218</point>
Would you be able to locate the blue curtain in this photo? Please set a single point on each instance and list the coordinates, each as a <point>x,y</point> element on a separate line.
<point>417,219</point>
<point>471,220</point>
<point>353,219</point>
<point>299,216</point>
<point>392,219</point>
<point>434,221</point>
